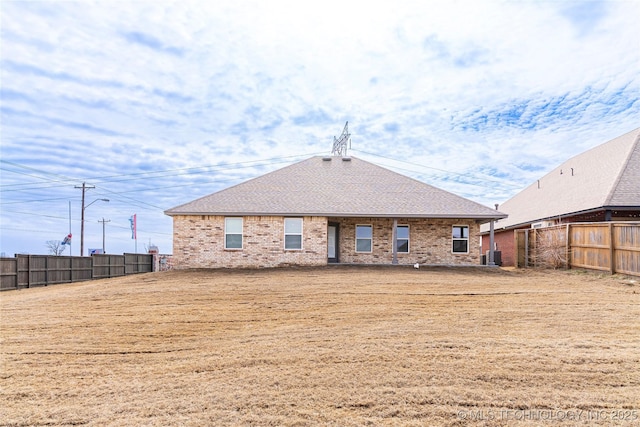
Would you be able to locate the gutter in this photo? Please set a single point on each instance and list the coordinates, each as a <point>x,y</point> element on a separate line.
<point>570,214</point>
<point>480,218</point>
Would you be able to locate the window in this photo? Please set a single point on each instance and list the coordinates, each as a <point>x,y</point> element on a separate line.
<point>233,233</point>
<point>293,233</point>
<point>402,239</point>
<point>364,238</point>
<point>460,239</point>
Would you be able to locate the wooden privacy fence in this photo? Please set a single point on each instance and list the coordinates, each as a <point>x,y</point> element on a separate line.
<point>25,271</point>
<point>606,246</point>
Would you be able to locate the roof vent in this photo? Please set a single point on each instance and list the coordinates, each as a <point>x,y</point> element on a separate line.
<point>346,159</point>
<point>326,159</point>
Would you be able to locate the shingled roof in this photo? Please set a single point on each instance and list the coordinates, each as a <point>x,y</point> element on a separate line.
<point>605,177</point>
<point>336,186</point>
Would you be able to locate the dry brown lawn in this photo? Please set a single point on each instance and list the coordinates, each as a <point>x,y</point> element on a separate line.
<point>330,346</point>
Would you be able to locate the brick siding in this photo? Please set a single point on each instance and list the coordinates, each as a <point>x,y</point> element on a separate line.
<point>198,242</point>
<point>430,242</point>
<point>505,242</point>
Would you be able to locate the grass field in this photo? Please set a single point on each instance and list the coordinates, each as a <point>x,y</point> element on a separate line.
<point>330,346</point>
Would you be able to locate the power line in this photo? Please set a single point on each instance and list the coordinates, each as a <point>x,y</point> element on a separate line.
<point>64,178</point>
<point>100,190</point>
<point>38,214</point>
<point>34,201</point>
<point>141,175</point>
<point>140,203</point>
<point>180,185</point>
<point>140,230</point>
<point>26,229</point>
<point>143,231</point>
<point>484,178</point>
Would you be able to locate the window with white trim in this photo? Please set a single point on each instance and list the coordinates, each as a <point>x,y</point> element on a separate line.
<point>233,233</point>
<point>402,239</point>
<point>460,238</point>
<point>293,233</point>
<point>364,238</point>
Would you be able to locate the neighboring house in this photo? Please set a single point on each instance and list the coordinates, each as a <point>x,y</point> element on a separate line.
<point>601,184</point>
<point>328,210</point>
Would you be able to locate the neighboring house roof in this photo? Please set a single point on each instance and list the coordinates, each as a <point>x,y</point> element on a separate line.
<point>336,186</point>
<point>605,177</point>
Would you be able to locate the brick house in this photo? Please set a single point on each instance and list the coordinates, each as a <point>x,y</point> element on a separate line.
<point>328,210</point>
<point>601,184</point>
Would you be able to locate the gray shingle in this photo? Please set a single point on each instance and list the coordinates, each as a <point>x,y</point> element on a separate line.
<point>317,187</point>
<point>605,176</point>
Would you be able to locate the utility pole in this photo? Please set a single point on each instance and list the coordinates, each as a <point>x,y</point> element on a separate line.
<point>70,252</point>
<point>103,223</point>
<point>84,188</point>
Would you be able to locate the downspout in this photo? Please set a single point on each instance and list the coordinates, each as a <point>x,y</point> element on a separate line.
<point>608,215</point>
<point>491,244</point>
<point>492,259</point>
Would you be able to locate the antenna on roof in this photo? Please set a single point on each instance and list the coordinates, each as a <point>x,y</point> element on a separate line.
<point>340,144</point>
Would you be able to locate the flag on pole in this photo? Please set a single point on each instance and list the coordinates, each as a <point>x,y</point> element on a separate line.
<point>67,240</point>
<point>132,220</point>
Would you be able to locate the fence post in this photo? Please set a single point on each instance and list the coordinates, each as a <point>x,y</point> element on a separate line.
<point>612,249</point>
<point>526,248</point>
<point>568,246</point>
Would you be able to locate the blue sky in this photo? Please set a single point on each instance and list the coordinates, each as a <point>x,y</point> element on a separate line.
<point>159,103</point>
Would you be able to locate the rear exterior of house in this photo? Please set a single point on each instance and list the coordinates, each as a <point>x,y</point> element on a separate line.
<point>327,210</point>
<point>214,241</point>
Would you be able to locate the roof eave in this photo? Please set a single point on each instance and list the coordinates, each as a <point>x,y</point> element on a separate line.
<point>486,218</point>
<point>561,216</point>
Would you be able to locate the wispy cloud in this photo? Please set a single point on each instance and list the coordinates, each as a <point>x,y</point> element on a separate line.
<point>151,42</point>
<point>10,114</point>
<point>313,117</point>
<point>21,68</point>
<point>558,111</point>
<point>465,57</point>
<point>585,15</point>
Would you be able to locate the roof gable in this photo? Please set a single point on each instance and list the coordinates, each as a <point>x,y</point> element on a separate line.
<point>605,176</point>
<point>336,186</point>
<point>626,191</point>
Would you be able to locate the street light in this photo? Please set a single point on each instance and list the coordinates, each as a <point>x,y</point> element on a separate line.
<point>82,222</point>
